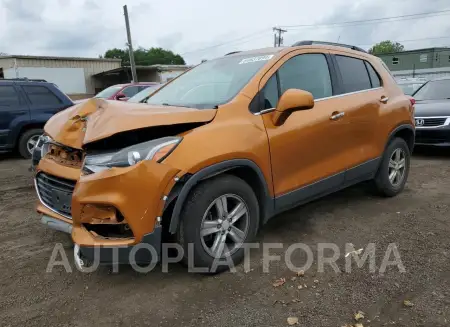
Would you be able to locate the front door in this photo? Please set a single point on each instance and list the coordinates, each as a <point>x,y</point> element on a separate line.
<point>307,151</point>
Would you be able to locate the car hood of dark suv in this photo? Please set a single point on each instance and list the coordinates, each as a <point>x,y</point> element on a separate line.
<point>432,108</point>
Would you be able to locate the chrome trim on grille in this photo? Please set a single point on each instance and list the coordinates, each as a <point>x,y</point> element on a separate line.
<point>446,123</point>
<point>45,204</point>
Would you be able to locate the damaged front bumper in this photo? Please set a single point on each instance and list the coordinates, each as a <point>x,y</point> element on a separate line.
<point>115,214</point>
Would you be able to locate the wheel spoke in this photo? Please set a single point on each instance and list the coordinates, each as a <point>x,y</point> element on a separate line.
<point>397,155</point>
<point>219,245</point>
<point>209,227</point>
<point>236,234</point>
<point>392,176</point>
<point>237,212</point>
<point>401,163</point>
<point>31,142</point>
<point>222,207</point>
<point>391,164</point>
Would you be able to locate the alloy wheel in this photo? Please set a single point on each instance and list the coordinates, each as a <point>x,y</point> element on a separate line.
<point>397,167</point>
<point>32,141</point>
<point>224,226</point>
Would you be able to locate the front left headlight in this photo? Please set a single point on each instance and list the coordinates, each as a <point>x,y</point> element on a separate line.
<point>40,149</point>
<point>156,150</point>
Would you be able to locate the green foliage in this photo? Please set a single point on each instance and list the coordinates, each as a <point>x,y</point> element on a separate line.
<point>146,57</point>
<point>386,47</point>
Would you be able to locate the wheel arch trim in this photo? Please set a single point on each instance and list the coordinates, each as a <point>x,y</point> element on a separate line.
<point>399,128</point>
<point>214,170</point>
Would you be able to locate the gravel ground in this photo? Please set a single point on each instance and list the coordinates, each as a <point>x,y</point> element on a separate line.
<point>417,221</point>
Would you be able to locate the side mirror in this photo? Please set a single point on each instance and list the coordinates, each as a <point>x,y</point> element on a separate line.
<point>121,97</point>
<point>291,100</point>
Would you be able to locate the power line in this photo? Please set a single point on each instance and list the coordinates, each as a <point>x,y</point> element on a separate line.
<point>347,23</point>
<point>227,42</point>
<point>374,20</point>
<point>410,40</point>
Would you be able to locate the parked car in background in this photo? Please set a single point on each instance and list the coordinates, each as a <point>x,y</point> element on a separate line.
<point>225,147</point>
<point>25,107</point>
<point>432,113</point>
<point>144,94</point>
<point>410,85</point>
<point>123,92</point>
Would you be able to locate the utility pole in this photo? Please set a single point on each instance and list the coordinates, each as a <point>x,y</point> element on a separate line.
<point>278,39</point>
<point>130,46</point>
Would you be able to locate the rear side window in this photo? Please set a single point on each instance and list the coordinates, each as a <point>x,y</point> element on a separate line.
<point>8,96</point>
<point>374,78</point>
<point>354,74</point>
<point>307,72</point>
<point>41,96</point>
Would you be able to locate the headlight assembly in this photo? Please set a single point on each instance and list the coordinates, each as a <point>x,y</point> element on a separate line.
<point>156,150</point>
<point>40,149</point>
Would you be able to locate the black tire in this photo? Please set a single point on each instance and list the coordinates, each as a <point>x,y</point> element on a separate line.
<point>23,141</point>
<point>383,185</point>
<point>197,203</point>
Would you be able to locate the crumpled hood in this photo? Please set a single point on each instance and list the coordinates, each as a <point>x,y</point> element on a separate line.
<point>97,119</point>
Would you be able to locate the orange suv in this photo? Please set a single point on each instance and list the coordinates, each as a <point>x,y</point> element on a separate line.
<point>218,151</point>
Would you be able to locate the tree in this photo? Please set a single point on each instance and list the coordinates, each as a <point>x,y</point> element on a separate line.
<point>386,47</point>
<point>146,57</point>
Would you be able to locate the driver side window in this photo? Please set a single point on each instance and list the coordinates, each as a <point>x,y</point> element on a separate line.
<point>307,72</point>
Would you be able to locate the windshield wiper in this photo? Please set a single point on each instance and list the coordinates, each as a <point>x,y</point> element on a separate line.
<point>175,105</point>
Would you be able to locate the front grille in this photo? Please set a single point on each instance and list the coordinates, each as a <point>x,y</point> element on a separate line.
<point>431,122</point>
<point>55,193</point>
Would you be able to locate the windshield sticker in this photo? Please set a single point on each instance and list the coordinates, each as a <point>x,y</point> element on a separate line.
<point>255,59</point>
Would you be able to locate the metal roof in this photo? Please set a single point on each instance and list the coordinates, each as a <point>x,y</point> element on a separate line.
<point>57,58</point>
<point>151,67</point>
<point>413,51</point>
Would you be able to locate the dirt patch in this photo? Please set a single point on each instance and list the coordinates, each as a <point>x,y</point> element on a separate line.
<point>418,221</point>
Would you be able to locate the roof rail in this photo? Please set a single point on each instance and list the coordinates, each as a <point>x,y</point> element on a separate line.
<point>353,47</point>
<point>23,79</point>
<point>230,53</point>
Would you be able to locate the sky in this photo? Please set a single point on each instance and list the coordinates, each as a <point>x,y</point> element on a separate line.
<point>195,28</point>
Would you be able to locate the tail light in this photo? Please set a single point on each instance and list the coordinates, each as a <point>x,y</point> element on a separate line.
<point>412,108</point>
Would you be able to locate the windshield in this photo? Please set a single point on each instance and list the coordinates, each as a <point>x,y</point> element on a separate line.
<point>211,83</point>
<point>108,92</point>
<point>410,88</point>
<point>143,94</point>
<point>434,90</point>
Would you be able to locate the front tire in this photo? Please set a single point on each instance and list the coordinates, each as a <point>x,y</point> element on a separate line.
<point>219,216</point>
<point>393,172</point>
<point>27,141</point>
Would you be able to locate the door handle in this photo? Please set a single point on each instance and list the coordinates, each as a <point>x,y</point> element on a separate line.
<point>384,99</point>
<point>336,115</point>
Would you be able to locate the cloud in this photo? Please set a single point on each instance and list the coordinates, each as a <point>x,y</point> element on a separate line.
<point>90,27</point>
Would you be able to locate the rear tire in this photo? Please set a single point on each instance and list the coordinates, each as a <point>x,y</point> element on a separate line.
<point>393,172</point>
<point>27,140</point>
<point>209,234</point>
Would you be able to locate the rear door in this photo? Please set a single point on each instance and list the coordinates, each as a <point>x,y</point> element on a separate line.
<point>13,112</point>
<point>361,100</point>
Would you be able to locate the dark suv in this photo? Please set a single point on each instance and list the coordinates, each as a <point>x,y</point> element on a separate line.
<point>25,107</point>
